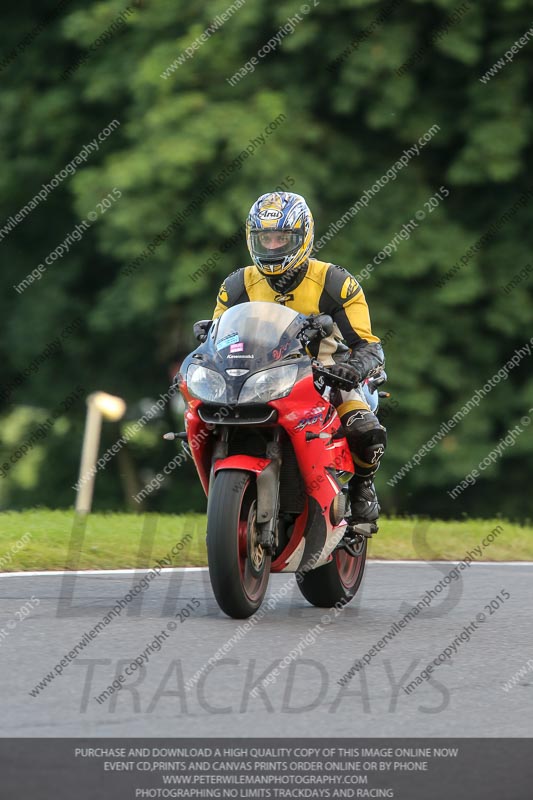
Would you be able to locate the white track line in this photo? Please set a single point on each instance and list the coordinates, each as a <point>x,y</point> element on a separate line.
<point>472,563</point>
<point>140,570</point>
<point>375,562</point>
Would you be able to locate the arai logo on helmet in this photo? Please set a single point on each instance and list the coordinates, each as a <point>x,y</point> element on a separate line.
<point>270,213</point>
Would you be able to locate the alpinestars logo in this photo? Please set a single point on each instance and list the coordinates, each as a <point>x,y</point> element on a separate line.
<point>378,452</point>
<point>359,415</point>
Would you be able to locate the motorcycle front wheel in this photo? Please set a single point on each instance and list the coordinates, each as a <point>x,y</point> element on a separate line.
<point>337,581</point>
<point>239,567</point>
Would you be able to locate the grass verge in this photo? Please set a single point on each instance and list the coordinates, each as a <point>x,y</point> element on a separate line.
<point>50,540</point>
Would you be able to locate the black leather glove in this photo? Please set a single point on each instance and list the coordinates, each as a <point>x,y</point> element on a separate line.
<point>367,359</point>
<point>322,324</point>
<point>345,371</point>
<point>201,329</point>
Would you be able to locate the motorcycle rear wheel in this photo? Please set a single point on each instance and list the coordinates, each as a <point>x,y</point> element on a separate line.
<point>337,582</point>
<point>239,567</point>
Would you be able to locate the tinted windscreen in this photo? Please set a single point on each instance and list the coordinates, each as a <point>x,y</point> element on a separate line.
<point>253,335</point>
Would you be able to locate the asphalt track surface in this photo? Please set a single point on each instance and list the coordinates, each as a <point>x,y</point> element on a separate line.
<point>464,696</point>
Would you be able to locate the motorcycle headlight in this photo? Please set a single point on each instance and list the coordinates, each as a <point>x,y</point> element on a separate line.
<point>206,384</point>
<point>269,384</point>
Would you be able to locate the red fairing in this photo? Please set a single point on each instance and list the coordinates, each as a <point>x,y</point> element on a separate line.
<point>306,411</point>
<point>200,439</point>
<point>297,535</point>
<point>248,463</point>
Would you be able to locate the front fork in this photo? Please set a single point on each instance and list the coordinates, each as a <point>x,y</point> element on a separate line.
<point>268,485</point>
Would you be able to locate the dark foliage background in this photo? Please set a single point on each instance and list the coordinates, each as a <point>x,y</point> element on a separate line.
<point>348,118</point>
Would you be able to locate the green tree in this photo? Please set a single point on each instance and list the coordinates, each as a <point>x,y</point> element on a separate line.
<point>353,84</point>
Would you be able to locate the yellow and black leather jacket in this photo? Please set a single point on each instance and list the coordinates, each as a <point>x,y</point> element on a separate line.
<point>320,288</point>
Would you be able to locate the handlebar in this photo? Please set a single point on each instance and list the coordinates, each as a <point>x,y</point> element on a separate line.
<point>341,383</point>
<point>333,380</point>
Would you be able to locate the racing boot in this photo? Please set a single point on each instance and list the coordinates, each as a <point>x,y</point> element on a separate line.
<point>364,507</point>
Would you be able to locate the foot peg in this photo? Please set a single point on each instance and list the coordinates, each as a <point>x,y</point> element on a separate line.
<point>352,544</point>
<point>366,529</point>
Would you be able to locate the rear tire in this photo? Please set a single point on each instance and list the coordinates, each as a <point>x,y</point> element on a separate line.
<point>239,568</point>
<point>336,582</point>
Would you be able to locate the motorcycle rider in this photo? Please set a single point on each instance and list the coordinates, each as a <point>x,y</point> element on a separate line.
<point>279,233</point>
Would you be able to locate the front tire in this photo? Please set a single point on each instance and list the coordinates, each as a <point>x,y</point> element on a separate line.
<point>337,582</point>
<point>239,567</point>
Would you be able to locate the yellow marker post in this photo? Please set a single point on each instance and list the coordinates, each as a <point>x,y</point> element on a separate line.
<point>99,406</point>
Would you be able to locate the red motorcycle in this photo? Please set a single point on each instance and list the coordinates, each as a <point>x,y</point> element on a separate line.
<point>272,458</point>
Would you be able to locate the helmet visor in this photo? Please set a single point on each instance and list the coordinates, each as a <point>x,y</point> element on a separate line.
<point>275,245</point>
